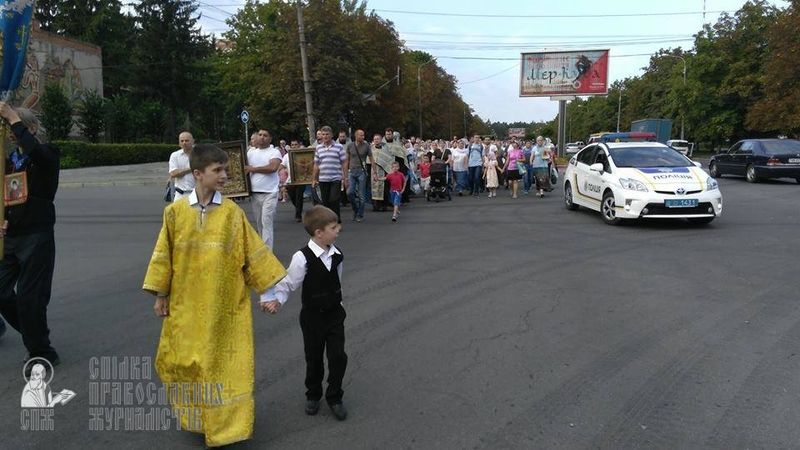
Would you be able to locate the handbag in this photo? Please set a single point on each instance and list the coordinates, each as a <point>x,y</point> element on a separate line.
<point>169,192</point>
<point>521,168</point>
<point>553,176</point>
<point>316,195</point>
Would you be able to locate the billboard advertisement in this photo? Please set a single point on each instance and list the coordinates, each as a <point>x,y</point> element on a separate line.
<point>516,132</point>
<point>547,74</point>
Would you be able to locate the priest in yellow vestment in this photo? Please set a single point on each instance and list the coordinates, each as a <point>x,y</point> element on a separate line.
<point>206,260</point>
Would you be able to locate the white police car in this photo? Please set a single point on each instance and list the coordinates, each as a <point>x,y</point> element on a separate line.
<point>631,180</point>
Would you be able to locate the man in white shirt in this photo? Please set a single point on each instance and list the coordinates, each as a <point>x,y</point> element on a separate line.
<point>179,169</point>
<point>263,161</point>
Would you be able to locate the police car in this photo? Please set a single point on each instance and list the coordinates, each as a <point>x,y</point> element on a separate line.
<point>631,180</point>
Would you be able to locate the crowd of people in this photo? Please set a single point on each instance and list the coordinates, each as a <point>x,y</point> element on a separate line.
<point>357,171</point>
<point>384,172</point>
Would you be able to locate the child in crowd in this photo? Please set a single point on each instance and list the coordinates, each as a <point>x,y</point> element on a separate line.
<point>425,172</point>
<point>490,174</point>
<point>317,267</point>
<point>397,184</point>
<point>207,332</point>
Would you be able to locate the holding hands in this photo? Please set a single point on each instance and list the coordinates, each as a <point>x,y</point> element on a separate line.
<point>272,306</point>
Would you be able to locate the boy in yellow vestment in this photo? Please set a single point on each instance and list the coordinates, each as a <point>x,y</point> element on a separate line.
<point>206,259</point>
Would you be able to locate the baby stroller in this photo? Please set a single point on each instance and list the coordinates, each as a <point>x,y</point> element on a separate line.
<point>440,184</point>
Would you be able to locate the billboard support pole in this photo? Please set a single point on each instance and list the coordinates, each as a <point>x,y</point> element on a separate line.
<point>562,127</point>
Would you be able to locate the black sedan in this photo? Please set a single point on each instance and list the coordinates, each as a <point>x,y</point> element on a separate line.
<point>759,159</point>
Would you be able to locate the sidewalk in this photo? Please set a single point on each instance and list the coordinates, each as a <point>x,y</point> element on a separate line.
<point>131,175</point>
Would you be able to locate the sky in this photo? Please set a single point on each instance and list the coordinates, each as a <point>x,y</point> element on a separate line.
<point>480,42</point>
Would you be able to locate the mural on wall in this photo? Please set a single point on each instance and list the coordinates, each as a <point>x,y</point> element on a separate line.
<point>52,59</point>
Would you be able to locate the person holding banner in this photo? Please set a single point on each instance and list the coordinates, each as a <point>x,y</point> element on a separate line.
<point>26,270</point>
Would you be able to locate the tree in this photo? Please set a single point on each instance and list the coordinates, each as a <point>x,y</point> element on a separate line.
<point>100,22</point>
<point>167,51</point>
<point>92,115</point>
<point>56,112</point>
<point>778,110</point>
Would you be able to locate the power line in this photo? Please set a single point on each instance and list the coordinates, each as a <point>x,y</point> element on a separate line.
<point>540,43</point>
<point>547,16</point>
<point>490,58</point>
<point>208,5</point>
<point>490,76</point>
<point>554,36</point>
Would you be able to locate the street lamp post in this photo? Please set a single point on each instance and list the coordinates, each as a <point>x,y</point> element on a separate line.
<point>419,92</point>
<point>683,113</point>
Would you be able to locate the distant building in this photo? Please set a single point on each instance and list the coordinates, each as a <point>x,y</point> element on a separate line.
<point>76,65</point>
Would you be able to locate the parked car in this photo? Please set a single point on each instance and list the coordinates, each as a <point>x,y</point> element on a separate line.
<point>759,159</point>
<point>573,147</point>
<point>685,147</point>
<point>631,180</point>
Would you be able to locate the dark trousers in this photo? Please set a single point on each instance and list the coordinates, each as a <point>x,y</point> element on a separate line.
<point>26,276</point>
<point>296,197</point>
<point>331,192</point>
<point>323,332</point>
<point>475,179</point>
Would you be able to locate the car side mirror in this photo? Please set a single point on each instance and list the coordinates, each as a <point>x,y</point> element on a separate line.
<point>596,167</point>
<point>698,164</point>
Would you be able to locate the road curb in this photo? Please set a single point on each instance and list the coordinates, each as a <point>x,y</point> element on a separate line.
<point>85,184</point>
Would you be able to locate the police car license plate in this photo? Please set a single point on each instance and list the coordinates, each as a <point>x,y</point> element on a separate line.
<point>794,160</point>
<point>681,203</point>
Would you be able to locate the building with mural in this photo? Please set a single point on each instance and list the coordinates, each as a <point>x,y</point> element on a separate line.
<point>76,65</point>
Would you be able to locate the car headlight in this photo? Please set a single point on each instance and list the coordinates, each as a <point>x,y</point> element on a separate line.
<point>711,184</point>
<point>632,185</point>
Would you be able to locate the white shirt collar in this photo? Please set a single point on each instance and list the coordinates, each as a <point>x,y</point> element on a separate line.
<point>216,199</point>
<point>319,250</point>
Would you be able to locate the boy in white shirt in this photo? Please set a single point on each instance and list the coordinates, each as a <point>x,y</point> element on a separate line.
<point>317,267</point>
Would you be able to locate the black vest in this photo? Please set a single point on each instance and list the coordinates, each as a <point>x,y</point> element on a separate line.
<point>322,289</point>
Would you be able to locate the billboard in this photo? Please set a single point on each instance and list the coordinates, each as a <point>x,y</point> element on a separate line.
<point>548,74</point>
<point>516,132</point>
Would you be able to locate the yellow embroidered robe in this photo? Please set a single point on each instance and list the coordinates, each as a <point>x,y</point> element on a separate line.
<point>207,266</point>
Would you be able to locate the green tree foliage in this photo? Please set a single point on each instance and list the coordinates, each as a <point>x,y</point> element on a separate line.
<point>168,50</point>
<point>56,112</point>
<point>100,22</point>
<point>92,115</point>
<point>352,55</point>
<point>778,110</point>
<point>740,82</point>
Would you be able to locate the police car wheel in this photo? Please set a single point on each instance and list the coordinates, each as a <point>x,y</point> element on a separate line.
<point>608,209</point>
<point>568,198</point>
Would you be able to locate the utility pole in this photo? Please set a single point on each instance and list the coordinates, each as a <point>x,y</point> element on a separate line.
<point>683,109</point>
<point>419,93</point>
<point>312,126</point>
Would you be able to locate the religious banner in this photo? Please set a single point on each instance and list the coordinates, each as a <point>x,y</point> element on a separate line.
<point>15,26</point>
<point>549,74</point>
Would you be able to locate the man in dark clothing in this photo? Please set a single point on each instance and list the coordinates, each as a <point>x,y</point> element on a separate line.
<point>26,270</point>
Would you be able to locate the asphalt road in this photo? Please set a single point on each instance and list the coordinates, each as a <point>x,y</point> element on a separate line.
<point>476,323</point>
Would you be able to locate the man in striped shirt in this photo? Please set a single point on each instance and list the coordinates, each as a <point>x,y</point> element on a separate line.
<point>330,171</point>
